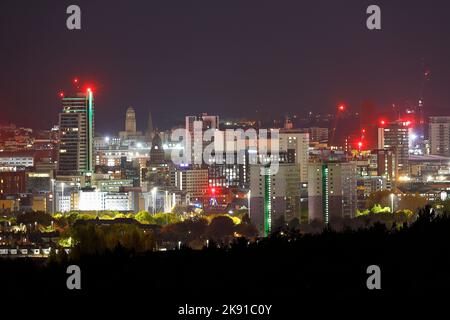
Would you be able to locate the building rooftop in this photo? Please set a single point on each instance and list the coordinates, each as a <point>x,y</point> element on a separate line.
<point>428,158</point>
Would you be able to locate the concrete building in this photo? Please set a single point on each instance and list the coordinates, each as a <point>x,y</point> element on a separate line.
<point>331,190</point>
<point>97,201</point>
<point>296,143</point>
<point>318,135</point>
<point>439,135</point>
<point>383,162</point>
<point>17,158</point>
<point>395,135</point>
<point>163,199</point>
<point>274,198</point>
<point>193,181</point>
<point>368,185</point>
<point>12,182</point>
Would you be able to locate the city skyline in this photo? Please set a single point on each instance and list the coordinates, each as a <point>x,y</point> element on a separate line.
<point>252,152</point>
<point>162,58</point>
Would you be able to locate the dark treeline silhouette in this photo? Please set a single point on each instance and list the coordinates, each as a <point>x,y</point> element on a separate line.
<point>414,260</point>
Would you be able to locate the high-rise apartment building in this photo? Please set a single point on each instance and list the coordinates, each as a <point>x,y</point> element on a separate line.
<point>331,190</point>
<point>395,135</point>
<point>439,135</point>
<point>274,197</point>
<point>296,143</point>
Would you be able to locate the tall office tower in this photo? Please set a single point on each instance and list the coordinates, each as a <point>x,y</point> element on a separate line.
<point>202,123</point>
<point>331,190</point>
<point>76,125</point>
<point>130,121</point>
<point>274,198</point>
<point>395,135</point>
<point>439,135</point>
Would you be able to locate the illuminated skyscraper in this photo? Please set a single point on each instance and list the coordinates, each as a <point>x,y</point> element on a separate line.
<point>76,125</point>
<point>395,135</point>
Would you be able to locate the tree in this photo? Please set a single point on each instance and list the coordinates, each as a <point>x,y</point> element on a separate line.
<point>294,224</point>
<point>378,198</point>
<point>31,217</point>
<point>246,230</point>
<point>144,217</point>
<point>411,202</point>
<point>220,228</point>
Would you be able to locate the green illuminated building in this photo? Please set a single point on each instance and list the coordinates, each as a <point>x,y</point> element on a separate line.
<point>76,134</point>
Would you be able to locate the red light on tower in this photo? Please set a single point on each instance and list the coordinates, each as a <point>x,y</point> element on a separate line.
<point>341,107</point>
<point>61,94</point>
<point>360,144</point>
<point>363,130</point>
<point>75,80</point>
<point>382,122</point>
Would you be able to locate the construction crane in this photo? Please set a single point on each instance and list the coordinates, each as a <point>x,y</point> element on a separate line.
<point>340,109</point>
<point>426,75</point>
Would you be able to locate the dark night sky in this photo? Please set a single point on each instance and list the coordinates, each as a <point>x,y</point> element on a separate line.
<point>228,57</point>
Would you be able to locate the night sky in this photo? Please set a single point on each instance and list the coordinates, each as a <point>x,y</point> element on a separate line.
<point>227,57</point>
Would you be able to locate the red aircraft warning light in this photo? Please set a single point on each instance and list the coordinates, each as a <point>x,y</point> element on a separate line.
<point>75,80</point>
<point>382,122</point>
<point>61,94</point>
<point>341,107</point>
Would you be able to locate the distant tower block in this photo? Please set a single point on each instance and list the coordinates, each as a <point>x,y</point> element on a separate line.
<point>130,120</point>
